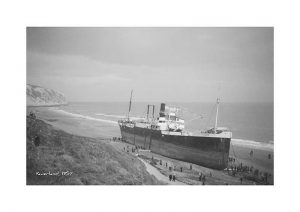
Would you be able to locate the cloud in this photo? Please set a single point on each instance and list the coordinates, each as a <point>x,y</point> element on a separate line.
<point>183,64</point>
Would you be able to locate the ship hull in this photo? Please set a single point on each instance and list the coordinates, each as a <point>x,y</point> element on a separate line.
<point>211,152</point>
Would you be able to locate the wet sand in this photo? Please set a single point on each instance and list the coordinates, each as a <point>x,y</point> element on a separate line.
<point>76,125</point>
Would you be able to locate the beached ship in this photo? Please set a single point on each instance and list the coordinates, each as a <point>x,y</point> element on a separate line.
<point>166,135</point>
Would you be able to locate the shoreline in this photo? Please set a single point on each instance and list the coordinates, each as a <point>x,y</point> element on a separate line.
<point>252,143</point>
<point>267,145</point>
<point>52,105</point>
<point>78,125</point>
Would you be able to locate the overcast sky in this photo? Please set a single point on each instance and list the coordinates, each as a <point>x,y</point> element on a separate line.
<point>159,64</point>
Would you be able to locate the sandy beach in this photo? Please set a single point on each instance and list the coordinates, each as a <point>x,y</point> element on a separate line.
<point>105,130</point>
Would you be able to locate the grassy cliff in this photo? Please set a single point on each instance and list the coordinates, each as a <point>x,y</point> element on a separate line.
<point>55,157</point>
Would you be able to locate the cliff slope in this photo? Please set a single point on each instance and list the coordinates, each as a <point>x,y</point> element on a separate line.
<point>39,96</point>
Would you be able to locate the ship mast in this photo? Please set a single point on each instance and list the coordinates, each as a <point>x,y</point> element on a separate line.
<point>129,105</point>
<point>216,123</point>
<point>148,106</point>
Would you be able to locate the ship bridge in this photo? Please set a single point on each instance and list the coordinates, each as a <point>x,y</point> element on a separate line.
<point>169,120</point>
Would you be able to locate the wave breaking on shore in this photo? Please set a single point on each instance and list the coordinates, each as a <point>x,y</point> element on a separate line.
<point>75,115</point>
<point>253,144</point>
<point>118,116</point>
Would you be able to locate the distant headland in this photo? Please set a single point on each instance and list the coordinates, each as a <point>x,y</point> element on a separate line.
<point>39,96</point>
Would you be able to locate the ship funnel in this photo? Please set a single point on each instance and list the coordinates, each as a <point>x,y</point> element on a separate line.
<point>162,110</point>
<point>162,107</point>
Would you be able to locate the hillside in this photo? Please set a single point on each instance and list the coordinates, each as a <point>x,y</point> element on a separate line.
<point>39,96</point>
<point>60,158</point>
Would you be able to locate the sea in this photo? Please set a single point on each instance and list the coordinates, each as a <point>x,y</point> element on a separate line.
<point>250,123</point>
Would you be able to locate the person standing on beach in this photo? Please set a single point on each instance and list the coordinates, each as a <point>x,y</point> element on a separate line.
<point>203,180</point>
<point>251,153</point>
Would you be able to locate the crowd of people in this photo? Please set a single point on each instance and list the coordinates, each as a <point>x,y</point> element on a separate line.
<point>234,168</point>
<point>247,171</point>
<point>171,168</point>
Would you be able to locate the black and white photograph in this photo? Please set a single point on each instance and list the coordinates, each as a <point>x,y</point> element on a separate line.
<point>150,106</point>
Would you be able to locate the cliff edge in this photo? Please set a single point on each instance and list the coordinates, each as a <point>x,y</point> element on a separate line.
<point>39,96</point>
